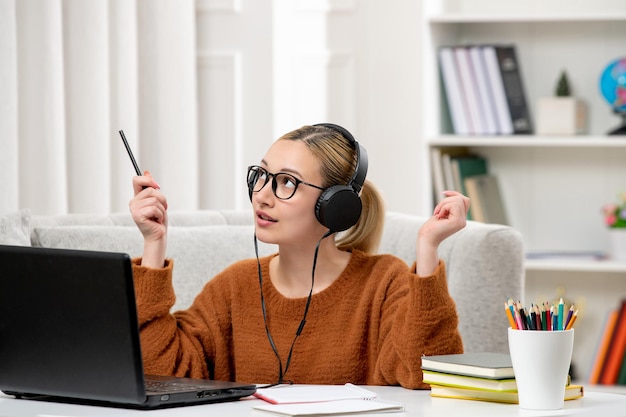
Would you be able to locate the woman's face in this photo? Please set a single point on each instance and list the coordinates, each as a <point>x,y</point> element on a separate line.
<point>292,221</point>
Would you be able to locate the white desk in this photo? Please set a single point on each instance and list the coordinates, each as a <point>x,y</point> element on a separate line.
<point>418,403</point>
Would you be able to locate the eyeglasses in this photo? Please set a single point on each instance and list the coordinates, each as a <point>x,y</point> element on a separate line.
<point>284,185</point>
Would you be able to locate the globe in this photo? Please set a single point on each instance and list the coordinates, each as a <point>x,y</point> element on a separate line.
<point>613,89</point>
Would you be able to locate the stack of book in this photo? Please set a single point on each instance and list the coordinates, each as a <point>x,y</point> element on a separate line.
<point>484,376</point>
<point>484,90</point>
<point>609,365</point>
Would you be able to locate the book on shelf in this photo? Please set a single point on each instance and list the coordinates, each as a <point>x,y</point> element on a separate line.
<point>450,172</point>
<point>487,205</point>
<point>453,90</point>
<point>469,86</point>
<point>436,168</point>
<point>571,392</point>
<point>464,166</point>
<point>603,346</point>
<point>464,381</point>
<point>485,95</point>
<point>483,89</point>
<point>510,79</point>
<point>441,169</point>
<point>617,347</point>
<point>498,94</point>
<point>476,364</point>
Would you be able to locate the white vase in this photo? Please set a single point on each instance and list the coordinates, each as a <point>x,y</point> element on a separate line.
<point>618,243</point>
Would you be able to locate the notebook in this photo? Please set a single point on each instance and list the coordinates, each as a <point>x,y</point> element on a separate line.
<point>69,332</point>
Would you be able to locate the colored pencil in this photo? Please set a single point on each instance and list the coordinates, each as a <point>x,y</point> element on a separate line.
<point>509,315</point>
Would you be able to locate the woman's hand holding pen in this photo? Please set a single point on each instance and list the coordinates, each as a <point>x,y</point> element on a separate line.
<point>449,216</point>
<point>149,211</point>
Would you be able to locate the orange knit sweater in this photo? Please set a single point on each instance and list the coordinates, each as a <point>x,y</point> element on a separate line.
<point>371,326</point>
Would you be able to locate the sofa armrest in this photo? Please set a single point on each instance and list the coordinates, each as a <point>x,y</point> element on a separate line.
<point>485,266</point>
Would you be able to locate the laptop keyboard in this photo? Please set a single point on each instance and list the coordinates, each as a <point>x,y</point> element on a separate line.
<point>169,386</point>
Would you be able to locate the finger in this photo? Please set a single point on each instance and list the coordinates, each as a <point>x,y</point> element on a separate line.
<point>156,200</point>
<point>451,207</point>
<point>450,194</point>
<point>146,209</point>
<point>141,182</point>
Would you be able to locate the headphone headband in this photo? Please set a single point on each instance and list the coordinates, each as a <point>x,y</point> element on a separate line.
<point>360,171</point>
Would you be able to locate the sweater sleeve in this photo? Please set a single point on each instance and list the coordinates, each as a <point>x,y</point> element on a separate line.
<point>422,321</point>
<point>168,347</point>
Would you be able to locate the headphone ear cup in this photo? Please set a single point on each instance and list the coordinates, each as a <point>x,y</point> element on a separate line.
<point>338,208</point>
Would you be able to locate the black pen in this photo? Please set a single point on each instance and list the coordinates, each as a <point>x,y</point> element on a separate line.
<point>132,157</point>
<point>130,153</point>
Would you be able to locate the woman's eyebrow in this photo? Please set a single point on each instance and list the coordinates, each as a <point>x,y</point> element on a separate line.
<point>286,170</point>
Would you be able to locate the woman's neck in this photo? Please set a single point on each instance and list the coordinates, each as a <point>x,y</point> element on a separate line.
<point>290,271</point>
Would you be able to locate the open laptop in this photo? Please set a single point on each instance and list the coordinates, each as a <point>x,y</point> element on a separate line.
<point>69,332</point>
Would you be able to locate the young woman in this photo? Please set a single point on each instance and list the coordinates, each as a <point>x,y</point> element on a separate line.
<point>323,310</point>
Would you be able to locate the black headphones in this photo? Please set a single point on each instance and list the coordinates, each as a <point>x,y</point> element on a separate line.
<point>339,206</point>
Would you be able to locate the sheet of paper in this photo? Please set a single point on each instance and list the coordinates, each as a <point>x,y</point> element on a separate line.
<point>289,394</point>
<point>342,407</point>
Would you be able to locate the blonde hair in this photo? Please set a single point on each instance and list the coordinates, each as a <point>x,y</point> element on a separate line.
<point>337,157</point>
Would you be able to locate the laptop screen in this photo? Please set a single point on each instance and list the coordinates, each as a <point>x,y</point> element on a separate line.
<point>69,325</point>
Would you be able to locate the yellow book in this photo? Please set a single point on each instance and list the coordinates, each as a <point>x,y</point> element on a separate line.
<point>463,381</point>
<point>572,392</point>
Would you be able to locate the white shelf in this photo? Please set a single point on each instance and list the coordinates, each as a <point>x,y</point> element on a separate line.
<point>553,187</point>
<point>569,265</point>
<point>530,141</point>
<point>456,18</point>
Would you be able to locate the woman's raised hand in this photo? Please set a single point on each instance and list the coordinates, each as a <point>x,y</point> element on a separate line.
<point>148,209</point>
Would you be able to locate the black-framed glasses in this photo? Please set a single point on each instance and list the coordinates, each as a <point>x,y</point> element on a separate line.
<point>284,185</point>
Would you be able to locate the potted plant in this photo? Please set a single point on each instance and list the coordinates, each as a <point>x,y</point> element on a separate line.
<point>615,219</point>
<point>561,114</point>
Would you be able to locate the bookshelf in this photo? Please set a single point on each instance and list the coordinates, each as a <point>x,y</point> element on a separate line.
<point>553,186</point>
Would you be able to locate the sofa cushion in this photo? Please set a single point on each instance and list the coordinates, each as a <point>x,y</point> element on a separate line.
<point>15,228</point>
<point>199,253</point>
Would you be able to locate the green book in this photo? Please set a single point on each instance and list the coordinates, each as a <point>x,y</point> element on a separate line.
<point>464,167</point>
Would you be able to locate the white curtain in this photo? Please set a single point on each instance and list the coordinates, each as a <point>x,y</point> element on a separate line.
<point>73,73</point>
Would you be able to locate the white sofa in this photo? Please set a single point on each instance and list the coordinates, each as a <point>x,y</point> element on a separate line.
<point>484,262</point>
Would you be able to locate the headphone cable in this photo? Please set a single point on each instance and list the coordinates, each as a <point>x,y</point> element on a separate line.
<point>281,372</point>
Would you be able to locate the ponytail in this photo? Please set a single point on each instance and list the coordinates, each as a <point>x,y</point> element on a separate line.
<point>366,234</point>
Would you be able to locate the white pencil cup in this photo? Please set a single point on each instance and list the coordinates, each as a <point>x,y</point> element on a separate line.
<point>541,362</point>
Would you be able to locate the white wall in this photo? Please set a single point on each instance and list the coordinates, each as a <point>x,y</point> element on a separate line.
<point>300,62</point>
<point>201,88</point>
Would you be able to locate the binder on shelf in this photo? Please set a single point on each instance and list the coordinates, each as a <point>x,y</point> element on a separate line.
<point>506,82</point>
<point>453,90</point>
